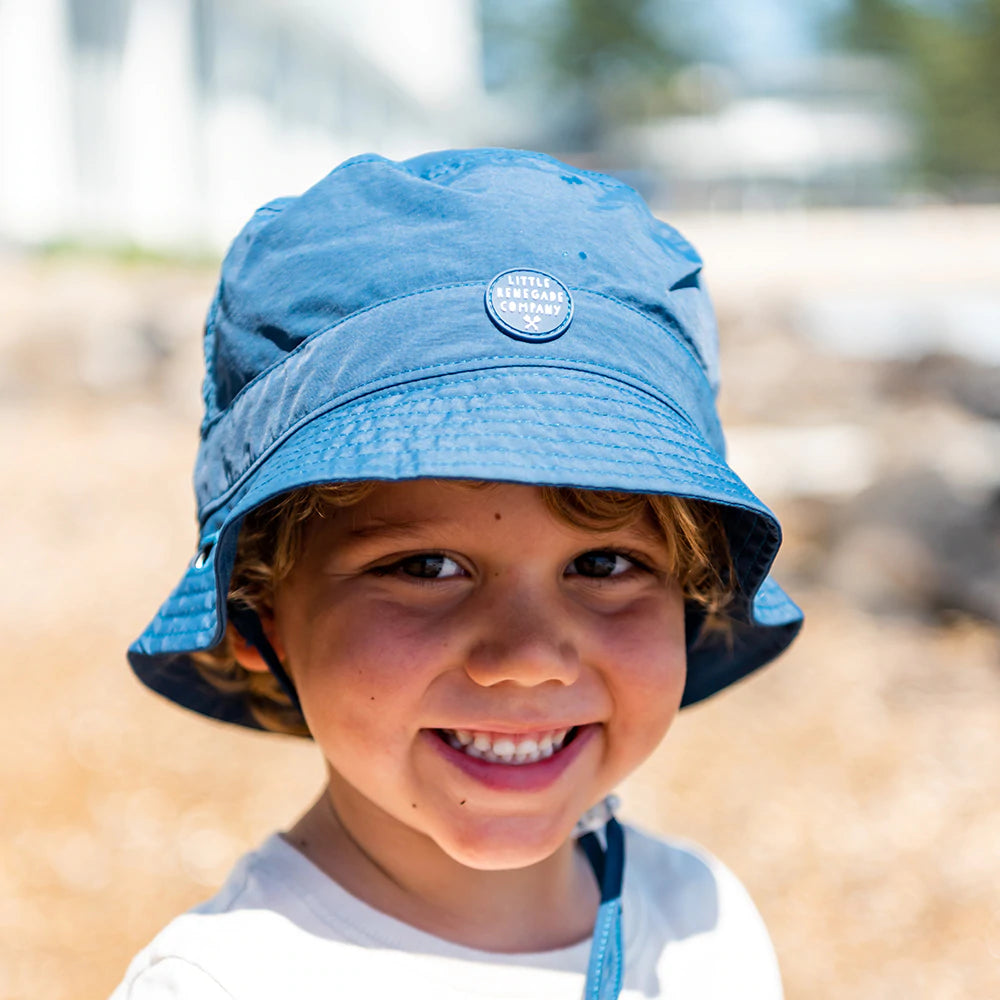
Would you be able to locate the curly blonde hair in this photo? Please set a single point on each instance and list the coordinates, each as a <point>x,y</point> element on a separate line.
<point>270,541</point>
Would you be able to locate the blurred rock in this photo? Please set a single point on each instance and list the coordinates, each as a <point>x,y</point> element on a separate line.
<point>92,328</point>
<point>827,460</point>
<point>974,387</point>
<point>905,323</point>
<point>940,437</point>
<point>911,544</point>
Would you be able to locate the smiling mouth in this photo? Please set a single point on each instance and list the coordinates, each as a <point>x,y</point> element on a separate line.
<point>506,748</point>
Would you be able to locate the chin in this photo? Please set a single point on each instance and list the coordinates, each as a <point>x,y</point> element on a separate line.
<point>505,846</point>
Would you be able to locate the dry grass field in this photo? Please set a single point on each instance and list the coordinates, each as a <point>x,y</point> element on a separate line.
<point>853,785</point>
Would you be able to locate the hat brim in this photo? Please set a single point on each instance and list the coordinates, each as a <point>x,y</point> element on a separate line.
<point>582,428</point>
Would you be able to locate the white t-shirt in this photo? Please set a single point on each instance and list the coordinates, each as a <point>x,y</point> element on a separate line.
<point>281,928</point>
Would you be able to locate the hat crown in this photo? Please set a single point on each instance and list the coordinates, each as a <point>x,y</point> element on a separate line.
<point>374,230</point>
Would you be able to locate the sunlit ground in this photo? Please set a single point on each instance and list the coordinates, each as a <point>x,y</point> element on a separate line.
<point>853,785</point>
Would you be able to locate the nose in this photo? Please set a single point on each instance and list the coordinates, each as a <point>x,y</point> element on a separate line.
<point>524,638</point>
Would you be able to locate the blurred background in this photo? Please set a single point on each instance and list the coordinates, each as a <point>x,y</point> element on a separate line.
<point>837,162</point>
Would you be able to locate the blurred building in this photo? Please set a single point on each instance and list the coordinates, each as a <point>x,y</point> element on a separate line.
<point>164,123</point>
<point>829,130</point>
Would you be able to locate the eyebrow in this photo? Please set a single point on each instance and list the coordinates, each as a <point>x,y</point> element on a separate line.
<point>375,527</point>
<point>643,530</point>
<point>385,528</point>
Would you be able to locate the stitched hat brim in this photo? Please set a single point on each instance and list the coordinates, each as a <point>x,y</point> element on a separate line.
<point>500,423</point>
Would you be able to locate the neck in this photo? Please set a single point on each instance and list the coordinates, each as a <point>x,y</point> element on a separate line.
<point>403,873</point>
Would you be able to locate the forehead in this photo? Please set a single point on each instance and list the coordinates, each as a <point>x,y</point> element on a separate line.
<point>430,503</point>
<point>435,502</point>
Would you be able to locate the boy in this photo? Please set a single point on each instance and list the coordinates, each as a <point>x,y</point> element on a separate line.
<point>465,521</point>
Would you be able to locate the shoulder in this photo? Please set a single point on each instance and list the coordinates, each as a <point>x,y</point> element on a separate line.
<point>169,978</point>
<point>698,922</point>
<point>688,885</point>
<point>224,945</point>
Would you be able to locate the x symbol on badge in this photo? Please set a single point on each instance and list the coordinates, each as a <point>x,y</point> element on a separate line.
<point>531,323</point>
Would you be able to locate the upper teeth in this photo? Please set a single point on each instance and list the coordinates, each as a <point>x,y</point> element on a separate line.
<point>506,749</point>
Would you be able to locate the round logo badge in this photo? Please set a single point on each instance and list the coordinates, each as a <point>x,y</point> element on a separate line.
<point>529,305</point>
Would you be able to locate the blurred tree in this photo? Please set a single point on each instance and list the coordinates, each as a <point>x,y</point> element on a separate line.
<point>871,26</point>
<point>951,52</point>
<point>592,42</point>
<point>600,61</point>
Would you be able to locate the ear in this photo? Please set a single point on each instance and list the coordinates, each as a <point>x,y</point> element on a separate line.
<point>246,653</point>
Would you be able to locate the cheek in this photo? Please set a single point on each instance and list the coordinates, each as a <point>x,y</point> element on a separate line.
<point>649,668</point>
<point>359,727</point>
<point>649,646</point>
<point>649,693</point>
<point>661,674</point>
<point>361,673</point>
<point>646,704</point>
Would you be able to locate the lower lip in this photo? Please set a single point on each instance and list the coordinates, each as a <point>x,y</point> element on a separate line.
<point>516,777</point>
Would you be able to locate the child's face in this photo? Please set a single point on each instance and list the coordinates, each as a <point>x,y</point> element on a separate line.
<point>432,614</point>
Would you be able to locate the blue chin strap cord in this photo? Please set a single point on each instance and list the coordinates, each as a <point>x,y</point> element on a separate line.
<point>247,623</point>
<point>606,967</point>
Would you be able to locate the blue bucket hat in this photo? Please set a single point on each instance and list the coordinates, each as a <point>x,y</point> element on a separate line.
<point>487,314</point>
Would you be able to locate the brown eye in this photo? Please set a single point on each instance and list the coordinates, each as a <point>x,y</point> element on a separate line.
<point>423,566</point>
<point>600,564</point>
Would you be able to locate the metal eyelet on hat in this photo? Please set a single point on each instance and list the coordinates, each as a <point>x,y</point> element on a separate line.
<point>200,561</point>
<point>529,305</point>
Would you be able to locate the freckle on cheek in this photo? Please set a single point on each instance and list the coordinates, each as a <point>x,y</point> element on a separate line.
<point>496,517</point>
